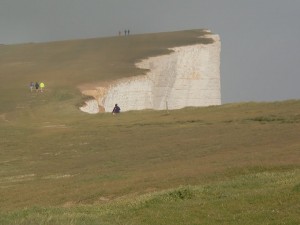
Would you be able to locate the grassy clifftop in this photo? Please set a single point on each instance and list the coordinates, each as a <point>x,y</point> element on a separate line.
<point>230,164</point>
<point>67,64</point>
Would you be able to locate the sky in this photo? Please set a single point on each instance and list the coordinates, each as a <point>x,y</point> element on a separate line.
<point>260,53</point>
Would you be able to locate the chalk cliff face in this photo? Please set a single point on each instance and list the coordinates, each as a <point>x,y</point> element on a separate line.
<point>189,76</point>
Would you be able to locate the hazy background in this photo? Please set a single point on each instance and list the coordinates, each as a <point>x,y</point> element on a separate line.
<point>260,38</point>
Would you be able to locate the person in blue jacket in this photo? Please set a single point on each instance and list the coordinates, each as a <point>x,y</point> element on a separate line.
<point>116,109</point>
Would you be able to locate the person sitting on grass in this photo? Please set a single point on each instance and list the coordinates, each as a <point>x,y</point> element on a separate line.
<point>116,109</point>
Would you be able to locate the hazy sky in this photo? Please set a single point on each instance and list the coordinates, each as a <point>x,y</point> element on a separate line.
<point>260,55</point>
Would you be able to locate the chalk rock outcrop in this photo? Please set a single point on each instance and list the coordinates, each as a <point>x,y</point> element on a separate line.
<point>189,76</point>
<point>90,106</point>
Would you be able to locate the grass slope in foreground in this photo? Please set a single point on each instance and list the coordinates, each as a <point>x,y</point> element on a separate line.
<point>256,198</point>
<point>229,164</point>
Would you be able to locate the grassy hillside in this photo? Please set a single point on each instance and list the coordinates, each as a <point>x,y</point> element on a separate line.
<point>67,64</point>
<point>229,164</point>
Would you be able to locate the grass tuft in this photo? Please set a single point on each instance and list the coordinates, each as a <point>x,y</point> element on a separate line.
<point>297,188</point>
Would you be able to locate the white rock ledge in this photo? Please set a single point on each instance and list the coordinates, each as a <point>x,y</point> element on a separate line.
<point>189,76</point>
<point>91,106</point>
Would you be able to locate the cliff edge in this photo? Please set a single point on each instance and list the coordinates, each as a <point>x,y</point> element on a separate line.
<point>189,76</point>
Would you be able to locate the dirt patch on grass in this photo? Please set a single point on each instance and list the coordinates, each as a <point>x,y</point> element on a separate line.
<point>55,126</point>
<point>3,117</point>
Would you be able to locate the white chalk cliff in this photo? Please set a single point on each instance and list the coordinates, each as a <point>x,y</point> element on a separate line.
<point>189,76</point>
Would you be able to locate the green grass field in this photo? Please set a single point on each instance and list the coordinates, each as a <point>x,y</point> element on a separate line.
<point>230,164</point>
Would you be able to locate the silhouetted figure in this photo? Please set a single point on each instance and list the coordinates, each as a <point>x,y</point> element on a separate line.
<point>37,86</point>
<point>116,109</point>
<point>128,32</point>
<point>125,31</point>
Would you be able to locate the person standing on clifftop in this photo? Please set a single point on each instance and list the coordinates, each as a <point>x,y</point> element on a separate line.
<point>116,109</point>
<point>42,85</point>
<point>31,85</point>
<point>37,86</point>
